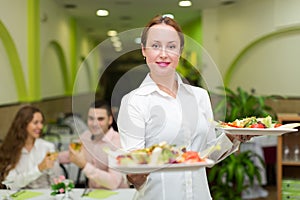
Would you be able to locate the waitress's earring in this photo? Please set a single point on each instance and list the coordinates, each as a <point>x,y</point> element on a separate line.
<point>144,58</point>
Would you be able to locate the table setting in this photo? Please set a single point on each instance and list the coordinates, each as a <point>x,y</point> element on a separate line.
<point>74,194</point>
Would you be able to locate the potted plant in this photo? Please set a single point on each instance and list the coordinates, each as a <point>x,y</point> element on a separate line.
<point>227,179</point>
<point>241,104</point>
<point>237,172</point>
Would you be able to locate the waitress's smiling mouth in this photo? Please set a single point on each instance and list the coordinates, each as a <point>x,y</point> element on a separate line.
<point>163,64</point>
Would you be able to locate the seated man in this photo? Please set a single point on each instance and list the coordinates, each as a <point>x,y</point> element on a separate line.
<point>91,158</point>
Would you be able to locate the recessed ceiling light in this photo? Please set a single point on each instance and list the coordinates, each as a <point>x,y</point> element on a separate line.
<point>117,44</point>
<point>112,33</point>
<point>114,38</point>
<point>169,15</point>
<point>102,13</point>
<point>118,49</point>
<point>137,40</point>
<point>185,3</point>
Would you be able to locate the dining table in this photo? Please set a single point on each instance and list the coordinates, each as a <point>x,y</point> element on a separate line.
<point>75,194</point>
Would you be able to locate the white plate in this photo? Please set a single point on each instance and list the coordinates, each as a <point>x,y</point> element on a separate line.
<point>257,131</point>
<point>140,169</point>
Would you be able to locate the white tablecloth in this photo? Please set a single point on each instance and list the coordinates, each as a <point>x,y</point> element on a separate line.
<point>122,194</point>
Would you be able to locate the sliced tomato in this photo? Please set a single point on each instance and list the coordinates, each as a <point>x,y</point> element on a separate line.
<point>230,124</point>
<point>191,156</point>
<point>258,125</point>
<point>277,125</point>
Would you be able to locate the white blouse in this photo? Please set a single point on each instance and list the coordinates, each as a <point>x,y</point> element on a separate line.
<point>27,174</point>
<point>149,116</point>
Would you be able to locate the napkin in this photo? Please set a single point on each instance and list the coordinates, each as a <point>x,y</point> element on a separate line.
<point>26,194</point>
<point>100,194</point>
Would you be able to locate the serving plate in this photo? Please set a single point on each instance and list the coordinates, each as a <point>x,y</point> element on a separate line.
<point>257,131</point>
<point>145,168</point>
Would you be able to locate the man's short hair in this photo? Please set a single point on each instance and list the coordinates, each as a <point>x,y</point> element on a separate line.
<point>102,104</point>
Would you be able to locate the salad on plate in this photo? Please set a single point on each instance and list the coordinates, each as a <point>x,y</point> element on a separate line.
<point>159,154</point>
<point>161,157</point>
<point>251,122</point>
<point>256,126</point>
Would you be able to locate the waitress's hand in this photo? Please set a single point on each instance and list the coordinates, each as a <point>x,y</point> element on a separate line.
<point>47,163</point>
<point>137,179</point>
<point>241,138</point>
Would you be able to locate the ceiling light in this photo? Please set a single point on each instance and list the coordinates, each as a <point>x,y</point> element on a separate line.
<point>168,15</point>
<point>137,40</point>
<point>112,33</point>
<point>102,13</point>
<point>117,44</point>
<point>185,3</point>
<point>118,49</point>
<point>114,38</point>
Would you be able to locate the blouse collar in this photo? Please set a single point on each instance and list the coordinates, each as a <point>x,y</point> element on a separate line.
<point>148,86</point>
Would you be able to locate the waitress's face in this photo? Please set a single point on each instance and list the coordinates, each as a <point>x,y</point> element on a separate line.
<point>162,50</point>
<point>35,126</point>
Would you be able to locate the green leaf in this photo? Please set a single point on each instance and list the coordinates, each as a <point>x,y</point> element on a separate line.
<point>250,171</point>
<point>53,193</point>
<point>257,175</point>
<point>239,178</point>
<point>243,96</point>
<point>231,170</point>
<point>221,106</point>
<point>221,175</point>
<point>240,104</point>
<point>213,173</point>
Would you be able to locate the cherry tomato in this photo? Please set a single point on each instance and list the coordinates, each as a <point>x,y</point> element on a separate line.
<point>258,125</point>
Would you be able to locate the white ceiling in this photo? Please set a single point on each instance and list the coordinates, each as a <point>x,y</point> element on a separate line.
<point>130,14</point>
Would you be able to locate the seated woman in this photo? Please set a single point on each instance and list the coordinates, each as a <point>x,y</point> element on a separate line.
<point>25,159</point>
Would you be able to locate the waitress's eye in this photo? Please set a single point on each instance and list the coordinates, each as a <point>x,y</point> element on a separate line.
<point>155,46</point>
<point>172,47</point>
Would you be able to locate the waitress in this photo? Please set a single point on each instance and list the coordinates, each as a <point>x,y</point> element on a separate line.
<point>164,108</point>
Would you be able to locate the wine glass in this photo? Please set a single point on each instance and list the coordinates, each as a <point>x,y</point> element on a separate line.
<point>8,184</point>
<point>286,152</point>
<point>296,148</point>
<point>53,156</point>
<point>67,195</point>
<point>76,144</point>
<point>296,153</point>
